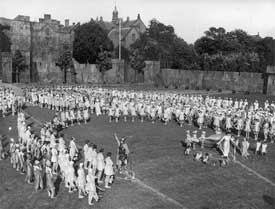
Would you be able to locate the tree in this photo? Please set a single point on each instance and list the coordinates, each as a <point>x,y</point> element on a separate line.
<point>64,60</point>
<point>104,61</point>
<point>89,39</point>
<point>18,64</point>
<point>234,50</point>
<point>183,55</point>
<point>137,61</point>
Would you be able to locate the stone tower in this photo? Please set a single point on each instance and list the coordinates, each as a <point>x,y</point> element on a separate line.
<point>115,16</point>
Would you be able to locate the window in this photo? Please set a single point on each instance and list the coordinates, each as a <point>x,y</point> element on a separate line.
<point>47,31</point>
<point>133,37</point>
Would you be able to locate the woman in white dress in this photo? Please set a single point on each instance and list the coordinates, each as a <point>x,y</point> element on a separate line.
<point>91,187</point>
<point>81,181</point>
<point>108,170</point>
<point>100,165</point>
<point>247,128</point>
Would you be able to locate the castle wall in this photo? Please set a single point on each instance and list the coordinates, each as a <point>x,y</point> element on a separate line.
<point>271,80</point>
<point>40,43</point>
<point>6,67</point>
<point>214,80</point>
<point>89,73</point>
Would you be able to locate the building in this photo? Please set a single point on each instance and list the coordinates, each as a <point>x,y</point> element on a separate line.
<point>130,29</point>
<point>39,42</point>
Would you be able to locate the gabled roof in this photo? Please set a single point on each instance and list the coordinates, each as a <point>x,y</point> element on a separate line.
<point>114,33</point>
<point>110,25</point>
<point>107,25</point>
<point>129,23</point>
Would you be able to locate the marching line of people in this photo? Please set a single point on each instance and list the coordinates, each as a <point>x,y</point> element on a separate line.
<point>222,142</point>
<point>75,104</point>
<point>9,102</point>
<point>49,156</point>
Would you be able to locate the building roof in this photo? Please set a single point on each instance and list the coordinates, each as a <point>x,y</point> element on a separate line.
<point>129,23</point>
<point>107,25</point>
<point>114,33</point>
<point>111,25</point>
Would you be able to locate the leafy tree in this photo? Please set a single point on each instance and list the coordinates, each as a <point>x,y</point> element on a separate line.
<point>137,61</point>
<point>18,64</point>
<point>160,43</point>
<point>234,51</point>
<point>183,55</point>
<point>64,60</point>
<point>104,61</point>
<point>89,39</point>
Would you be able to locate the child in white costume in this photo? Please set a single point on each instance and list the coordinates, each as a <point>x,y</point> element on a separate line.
<point>81,181</point>
<point>100,165</point>
<point>108,170</point>
<point>245,147</point>
<point>91,187</point>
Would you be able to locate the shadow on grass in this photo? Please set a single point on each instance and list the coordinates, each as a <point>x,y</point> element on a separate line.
<point>269,200</point>
<point>57,184</point>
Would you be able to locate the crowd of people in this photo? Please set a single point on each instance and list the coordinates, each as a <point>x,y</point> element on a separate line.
<point>77,103</point>
<point>48,154</point>
<point>9,102</point>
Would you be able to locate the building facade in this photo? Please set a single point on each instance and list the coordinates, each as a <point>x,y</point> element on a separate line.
<point>39,42</point>
<point>130,29</point>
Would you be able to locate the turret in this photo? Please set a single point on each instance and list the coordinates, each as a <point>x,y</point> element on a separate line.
<point>115,16</point>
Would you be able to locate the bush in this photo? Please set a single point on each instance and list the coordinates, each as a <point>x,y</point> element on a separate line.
<point>207,89</point>
<point>186,87</point>
<point>166,86</point>
<point>246,93</point>
<point>197,88</point>
<point>219,90</point>
<point>233,91</point>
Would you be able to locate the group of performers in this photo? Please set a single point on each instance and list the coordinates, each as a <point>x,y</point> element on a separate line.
<point>9,102</point>
<point>75,104</point>
<point>48,155</point>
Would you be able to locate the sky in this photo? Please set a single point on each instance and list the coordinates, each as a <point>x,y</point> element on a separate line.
<point>190,18</point>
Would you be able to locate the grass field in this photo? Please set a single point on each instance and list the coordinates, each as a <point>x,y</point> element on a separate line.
<point>165,177</point>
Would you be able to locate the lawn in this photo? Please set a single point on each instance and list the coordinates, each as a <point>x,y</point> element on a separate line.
<point>159,162</point>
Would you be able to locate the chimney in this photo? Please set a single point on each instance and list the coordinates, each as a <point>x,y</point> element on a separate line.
<point>101,19</point>
<point>67,23</point>
<point>138,17</point>
<point>128,19</point>
<point>73,24</point>
<point>47,16</point>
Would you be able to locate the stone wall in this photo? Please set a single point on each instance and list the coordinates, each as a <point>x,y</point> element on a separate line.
<point>89,73</point>
<point>152,73</point>
<point>270,90</point>
<point>214,80</point>
<point>6,67</point>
